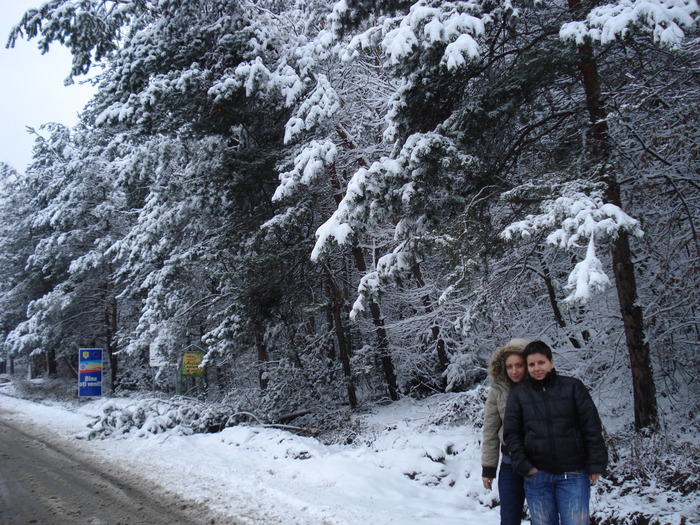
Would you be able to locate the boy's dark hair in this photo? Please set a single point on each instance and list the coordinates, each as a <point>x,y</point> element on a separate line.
<point>538,347</point>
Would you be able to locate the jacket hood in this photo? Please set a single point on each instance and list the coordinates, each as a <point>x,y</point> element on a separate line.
<point>497,366</point>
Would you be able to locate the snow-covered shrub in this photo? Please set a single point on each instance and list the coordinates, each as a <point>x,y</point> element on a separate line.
<point>45,388</point>
<point>466,408</point>
<point>464,371</point>
<point>182,416</point>
<point>306,393</point>
<point>649,481</point>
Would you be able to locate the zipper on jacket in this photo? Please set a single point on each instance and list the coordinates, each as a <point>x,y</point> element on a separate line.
<point>550,426</point>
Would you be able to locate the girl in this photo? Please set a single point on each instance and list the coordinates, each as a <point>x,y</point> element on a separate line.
<point>507,367</point>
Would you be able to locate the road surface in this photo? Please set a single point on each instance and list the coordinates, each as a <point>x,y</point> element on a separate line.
<point>46,481</point>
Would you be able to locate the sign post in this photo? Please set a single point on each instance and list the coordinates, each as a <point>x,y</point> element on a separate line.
<point>89,372</point>
<point>156,357</point>
<point>190,367</point>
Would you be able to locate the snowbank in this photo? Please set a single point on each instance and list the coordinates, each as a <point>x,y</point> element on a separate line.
<point>402,470</point>
<point>410,462</point>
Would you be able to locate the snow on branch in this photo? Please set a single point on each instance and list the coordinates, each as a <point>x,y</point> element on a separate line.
<point>389,267</point>
<point>664,19</point>
<point>578,220</point>
<point>411,194</point>
<point>453,25</point>
<point>334,18</point>
<point>368,289</point>
<point>139,106</point>
<point>424,26</point>
<point>390,191</point>
<point>587,276</point>
<point>256,78</point>
<point>309,165</point>
<point>338,227</point>
<point>320,105</point>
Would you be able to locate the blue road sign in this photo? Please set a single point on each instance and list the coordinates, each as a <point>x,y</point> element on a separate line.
<point>90,372</point>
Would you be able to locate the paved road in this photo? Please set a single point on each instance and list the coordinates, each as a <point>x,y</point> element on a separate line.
<point>44,481</point>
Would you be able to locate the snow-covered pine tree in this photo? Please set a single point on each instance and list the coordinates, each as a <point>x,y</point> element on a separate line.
<point>501,82</point>
<point>70,214</point>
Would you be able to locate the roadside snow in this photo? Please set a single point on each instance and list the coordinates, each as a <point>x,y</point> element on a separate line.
<point>409,472</point>
<point>408,464</point>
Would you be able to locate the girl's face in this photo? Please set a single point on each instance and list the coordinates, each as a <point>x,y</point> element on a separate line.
<point>515,367</point>
<point>538,365</point>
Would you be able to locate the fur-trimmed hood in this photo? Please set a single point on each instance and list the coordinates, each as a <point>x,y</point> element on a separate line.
<point>497,366</point>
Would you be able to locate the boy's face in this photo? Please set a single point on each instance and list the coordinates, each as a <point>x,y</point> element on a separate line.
<point>538,366</point>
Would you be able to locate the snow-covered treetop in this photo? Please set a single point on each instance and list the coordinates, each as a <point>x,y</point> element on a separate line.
<point>664,19</point>
<point>98,25</point>
<point>455,25</point>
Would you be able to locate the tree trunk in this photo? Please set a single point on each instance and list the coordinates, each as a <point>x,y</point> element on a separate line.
<point>263,358</point>
<point>382,339</point>
<point>443,359</point>
<point>645,407</point>
<point>385,356</point>
<point>343,344</point>
<point>51,363</point>
<point>111,322</point>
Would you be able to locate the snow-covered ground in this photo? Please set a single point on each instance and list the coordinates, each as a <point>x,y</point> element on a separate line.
<point>410,462</point>
<point>410,472</point>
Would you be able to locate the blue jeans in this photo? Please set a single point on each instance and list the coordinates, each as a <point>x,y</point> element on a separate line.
<point>512,494</point>
<point>556,499</point>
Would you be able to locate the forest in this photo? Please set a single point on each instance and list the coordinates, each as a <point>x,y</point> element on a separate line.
<point>345,204</point>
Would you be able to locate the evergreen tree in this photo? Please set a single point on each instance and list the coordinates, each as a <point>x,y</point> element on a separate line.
<point>522,105</point>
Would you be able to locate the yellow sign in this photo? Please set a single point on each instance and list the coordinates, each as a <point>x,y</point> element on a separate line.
<point>191,362</point>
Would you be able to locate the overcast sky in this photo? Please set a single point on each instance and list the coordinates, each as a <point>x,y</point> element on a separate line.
<point>31,88</point>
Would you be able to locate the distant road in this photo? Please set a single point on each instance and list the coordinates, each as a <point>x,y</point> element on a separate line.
<point>45,482</point>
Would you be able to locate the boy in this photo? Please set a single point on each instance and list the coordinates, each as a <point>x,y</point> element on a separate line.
<point>554,435</point>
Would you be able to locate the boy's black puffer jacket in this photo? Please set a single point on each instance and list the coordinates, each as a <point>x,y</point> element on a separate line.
<point>553,425</point>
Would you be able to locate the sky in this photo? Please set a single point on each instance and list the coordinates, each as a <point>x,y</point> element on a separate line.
<point>31,88</point>
<point>406,465</point>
